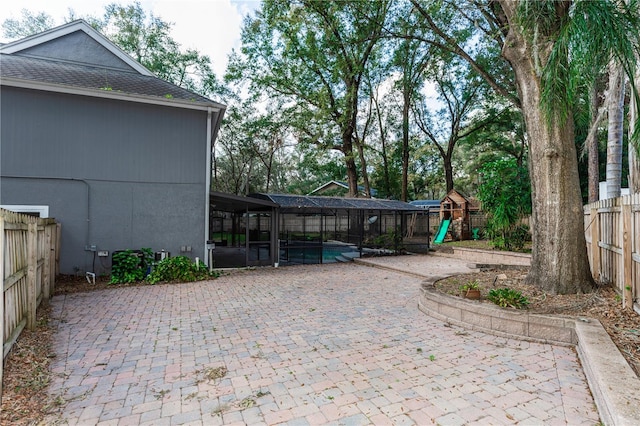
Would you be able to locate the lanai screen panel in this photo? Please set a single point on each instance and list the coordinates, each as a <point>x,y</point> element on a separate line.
<point>316,229</point>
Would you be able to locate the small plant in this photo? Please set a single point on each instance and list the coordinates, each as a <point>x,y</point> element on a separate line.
<point>432,357</point>
<point>180,268</point>
<point>471,285</point>
<point>507,297</point>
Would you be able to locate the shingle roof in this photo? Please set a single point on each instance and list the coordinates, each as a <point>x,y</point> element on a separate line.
<point>90,77</point>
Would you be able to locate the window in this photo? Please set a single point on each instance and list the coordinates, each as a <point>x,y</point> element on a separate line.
<point>38,211</point>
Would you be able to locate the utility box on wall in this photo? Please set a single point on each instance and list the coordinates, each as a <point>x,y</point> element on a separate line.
<point>161,255</point>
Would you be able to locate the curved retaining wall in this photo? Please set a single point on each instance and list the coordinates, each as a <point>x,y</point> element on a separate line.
<point>495,320</point>
<point>614,385</point>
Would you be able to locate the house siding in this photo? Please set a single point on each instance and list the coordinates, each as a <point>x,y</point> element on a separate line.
<point>116,174</point>
<point>77,47</point>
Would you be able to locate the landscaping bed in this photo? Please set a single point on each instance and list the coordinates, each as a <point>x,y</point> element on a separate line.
<point>604,304</point>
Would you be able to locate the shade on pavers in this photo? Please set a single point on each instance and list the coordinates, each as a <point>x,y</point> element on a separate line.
<point>341,344</point>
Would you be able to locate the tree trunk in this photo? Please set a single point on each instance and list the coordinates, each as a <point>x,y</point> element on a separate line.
<point>352,170</point>
<point>634,158</point>
<point>615,102</point>
<point>592,150</point>
<point>559,263</point>
<point>383,141</point>
<point>406,95</point>
<point>448,172</point>
<point>363,167</point>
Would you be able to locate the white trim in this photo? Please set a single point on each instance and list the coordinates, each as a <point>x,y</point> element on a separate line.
<point>71,27</point>
<point>323,186</point>
<point>207,187</point>
<point>43,211</point>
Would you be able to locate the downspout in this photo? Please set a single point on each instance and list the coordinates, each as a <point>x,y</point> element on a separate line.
<point>207,188</point>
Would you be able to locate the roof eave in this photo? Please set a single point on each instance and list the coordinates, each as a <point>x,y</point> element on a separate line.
<point>110,94</point>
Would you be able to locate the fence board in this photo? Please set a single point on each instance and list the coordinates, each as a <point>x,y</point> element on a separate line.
<point>29,263</point>
<point>612,230</point>
<point>2,260</point>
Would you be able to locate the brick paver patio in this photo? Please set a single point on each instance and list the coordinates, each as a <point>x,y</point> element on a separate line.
<point>327,344</point>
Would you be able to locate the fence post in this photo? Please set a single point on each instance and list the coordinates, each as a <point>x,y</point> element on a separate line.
<point>57,253</point>
<point>32,267</point>
<point>1,302</point>
<point>627,260</point>
<point>46,266</point>
<point>595,246</point>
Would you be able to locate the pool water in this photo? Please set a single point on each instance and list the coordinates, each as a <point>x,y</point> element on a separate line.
<point>329,253</point>
<point>311,255</point>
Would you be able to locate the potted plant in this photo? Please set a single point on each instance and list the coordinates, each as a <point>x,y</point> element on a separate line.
<point>471,290</point>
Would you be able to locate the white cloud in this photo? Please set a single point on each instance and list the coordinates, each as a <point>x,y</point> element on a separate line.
<point>210,26</point>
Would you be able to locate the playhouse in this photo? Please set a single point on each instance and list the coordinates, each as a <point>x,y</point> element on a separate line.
<point>456,210</point>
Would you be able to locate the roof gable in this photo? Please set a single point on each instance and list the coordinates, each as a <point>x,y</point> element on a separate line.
<point>75,42</point>
<point>75,58</point>
<point>77,47</point>
<point>334,184</point>
<point>456,197</point>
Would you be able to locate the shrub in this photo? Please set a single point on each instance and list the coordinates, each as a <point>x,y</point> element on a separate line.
<point>390,240</point>
<point>179,268</point>
<point>507,297</point>
<point>512,239</point>
<point>505,193</point>
<point>130,266</point>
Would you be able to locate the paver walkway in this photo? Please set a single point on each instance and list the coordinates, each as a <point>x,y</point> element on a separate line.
<point>327,344</point>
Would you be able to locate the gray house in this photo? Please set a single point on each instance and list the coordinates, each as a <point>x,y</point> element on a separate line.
<point>93,139</point>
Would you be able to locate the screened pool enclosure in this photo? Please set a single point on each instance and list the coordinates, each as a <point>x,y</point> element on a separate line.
<point>277,229</point>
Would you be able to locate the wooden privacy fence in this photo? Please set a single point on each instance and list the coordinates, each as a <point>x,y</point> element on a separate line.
<point>29,250</point>
<point>612,230</point>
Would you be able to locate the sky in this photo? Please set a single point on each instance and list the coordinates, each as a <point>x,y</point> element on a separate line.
<point>210,26</point>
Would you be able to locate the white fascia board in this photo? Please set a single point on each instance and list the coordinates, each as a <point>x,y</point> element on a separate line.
<point>323,186</point>
<point>79,25</point>
<point>110,94</point>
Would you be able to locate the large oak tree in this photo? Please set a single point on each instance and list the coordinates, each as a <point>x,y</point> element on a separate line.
<point>314,54</point>
<point>552,47</point>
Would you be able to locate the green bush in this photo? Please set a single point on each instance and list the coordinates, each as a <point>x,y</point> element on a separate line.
<point>130,266</point>
<point>505,193</point>
<point>179,268</point>
<point>508,297</point>
<point>513,238</point>
<point>390,240</point>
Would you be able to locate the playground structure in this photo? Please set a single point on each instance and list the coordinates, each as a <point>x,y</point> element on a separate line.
<point>442,231</point>
<point>456,211</point>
